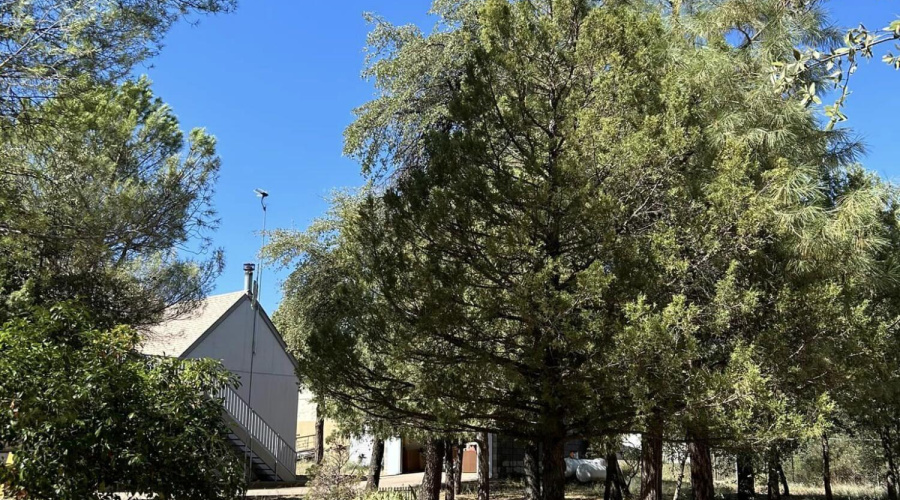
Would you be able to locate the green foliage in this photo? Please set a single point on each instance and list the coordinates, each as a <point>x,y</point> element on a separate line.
<point>100,192</point>
<point>98,186</point>
<point>75,43</point>
<point>810,72</point>
<point>96,197</point>
<point>585,218</point>
<point>854,460</point>
<point>334,478</point>
<point>85,413</point>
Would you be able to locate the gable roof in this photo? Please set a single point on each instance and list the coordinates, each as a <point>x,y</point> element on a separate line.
<point>175,337</point>
<point>178,336</point>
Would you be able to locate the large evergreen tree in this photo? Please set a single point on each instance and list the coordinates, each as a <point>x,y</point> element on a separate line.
<point>589,218</point>
<point>97,197</point>
<point>100,193</point>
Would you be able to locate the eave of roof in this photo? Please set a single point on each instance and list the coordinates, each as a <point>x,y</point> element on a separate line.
<point>179,336</point>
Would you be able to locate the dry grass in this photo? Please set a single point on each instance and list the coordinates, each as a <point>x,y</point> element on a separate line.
<point>512,490</point>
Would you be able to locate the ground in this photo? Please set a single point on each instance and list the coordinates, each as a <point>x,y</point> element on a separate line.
<point>512,490</point>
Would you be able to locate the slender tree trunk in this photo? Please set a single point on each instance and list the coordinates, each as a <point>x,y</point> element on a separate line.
<point>609,482</point>
<point>532,471</point>
<point>374,476</point>
<point>783,479</point>
<point>746,482</point>
<point>701,469</point>
<point>484,467</point>
<point>457,468</point>
<point>450,464</point>
<point>826,467</point>
<point>652,460</point>
<point>553,468</point>
<point>680,479</point>
<point>434,467</point>
<point>773,486</point>
<point>616,488</point>
<point>622,486</point>
<point>320,436</point>
<point>891,476</point>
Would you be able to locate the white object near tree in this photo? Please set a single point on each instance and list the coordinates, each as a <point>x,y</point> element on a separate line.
<point>591,470</point>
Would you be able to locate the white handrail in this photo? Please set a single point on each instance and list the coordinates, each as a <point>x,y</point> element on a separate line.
<point>258,429</point>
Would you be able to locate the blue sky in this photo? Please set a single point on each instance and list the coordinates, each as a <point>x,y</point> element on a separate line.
<point>276,83</point>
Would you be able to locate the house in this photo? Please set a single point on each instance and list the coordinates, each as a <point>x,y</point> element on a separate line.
<point>405,456</point>
<point>262,411</point>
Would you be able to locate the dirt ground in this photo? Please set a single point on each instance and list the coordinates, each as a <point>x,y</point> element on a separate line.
<point>512,490</point>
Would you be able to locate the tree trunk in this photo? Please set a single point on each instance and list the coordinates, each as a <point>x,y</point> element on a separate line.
<point>608,483</point>
<point>532,471</point>
<point>553,468</point>
<point>746,482</point>
<point>783,479</point>
<point>891,476</point>
<point>320,436</point>
<point>652,460</point>
<point>773,486</point>
<point>374,476</point>
<point>450,464</point>
<point>484,467</point>
<point>457,467</point>
<point>826,467</point>
<point>680,479</point>
<point>620,489</point>
<point>434,467</point>
<point>701,469</point>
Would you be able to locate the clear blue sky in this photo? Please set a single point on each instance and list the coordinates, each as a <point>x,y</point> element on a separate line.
<point>276,83</point>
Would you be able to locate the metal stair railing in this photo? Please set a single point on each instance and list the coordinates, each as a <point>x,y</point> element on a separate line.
<point>258,429</point>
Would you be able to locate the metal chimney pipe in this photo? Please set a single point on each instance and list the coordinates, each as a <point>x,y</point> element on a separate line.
<point>249,267</point>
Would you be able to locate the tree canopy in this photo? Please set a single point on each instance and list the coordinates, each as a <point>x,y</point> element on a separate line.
<point>591,218</point>
<point>98,197</point>
<point>105,211</point>
<point>51,48</point>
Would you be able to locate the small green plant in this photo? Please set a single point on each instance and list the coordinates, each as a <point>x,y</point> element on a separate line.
<point>385,495</point>
<point>334,478</point>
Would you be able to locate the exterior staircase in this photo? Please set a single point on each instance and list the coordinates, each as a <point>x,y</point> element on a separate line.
<point>271,457</point>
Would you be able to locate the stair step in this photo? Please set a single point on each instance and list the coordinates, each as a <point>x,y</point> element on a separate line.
<point>260,467</point>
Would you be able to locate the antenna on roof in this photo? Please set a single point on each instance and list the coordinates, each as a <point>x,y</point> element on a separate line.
<point>254,304</point>
<point>262,195</point>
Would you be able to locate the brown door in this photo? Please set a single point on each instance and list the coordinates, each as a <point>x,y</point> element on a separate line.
<point>470,459</point>
<point>412,456</point>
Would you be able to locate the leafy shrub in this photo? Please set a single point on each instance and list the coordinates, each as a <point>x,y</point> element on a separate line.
<point>854,460</point>
<point>87,415</point>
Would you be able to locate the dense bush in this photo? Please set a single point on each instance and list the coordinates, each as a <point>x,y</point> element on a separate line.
<point>87,415</point>
<point>854,460</point>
